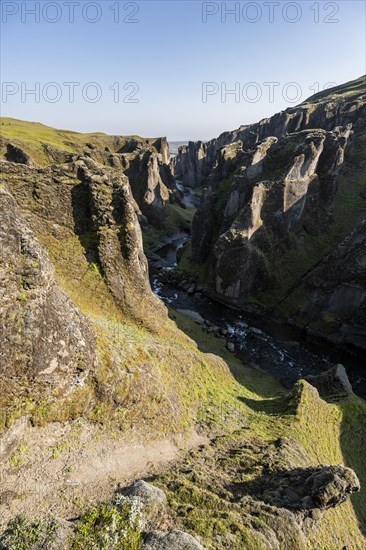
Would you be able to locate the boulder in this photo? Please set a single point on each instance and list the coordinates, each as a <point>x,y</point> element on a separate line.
<point>9,441</point>
<point>171,540</point>
<point>332,384</point>
<point>114,218</point>
<point>153,503</point>
<point>230,346</point>
<point>193,315</point>
<point>329,486</point>
<point>270,189</point>
<point>310,488</point>
<point>61,537</point>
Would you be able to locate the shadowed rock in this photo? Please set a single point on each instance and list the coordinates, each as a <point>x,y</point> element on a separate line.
<point>280,197</point>
<point>308,488</point>
<point>17,155</point>
<point>46,344</point>
<point>332,384</point>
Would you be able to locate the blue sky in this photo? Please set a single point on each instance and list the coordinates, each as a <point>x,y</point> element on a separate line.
<point>169,52</point>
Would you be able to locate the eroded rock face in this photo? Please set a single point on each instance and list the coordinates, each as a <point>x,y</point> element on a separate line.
<point>272,210</point>
<point>146,162</point>
<point>152,183</point>
<point>147,166</point>
<point>337,287</point>
<point>45,342</point>
<point>92,203</point>
<point>114,217</point>
<point>17,155</point>
<point>332,384</point>
<point>260,214</point>
<point>196,160</point>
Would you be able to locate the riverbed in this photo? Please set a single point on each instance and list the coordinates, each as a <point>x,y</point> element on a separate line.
<point>276,348</point>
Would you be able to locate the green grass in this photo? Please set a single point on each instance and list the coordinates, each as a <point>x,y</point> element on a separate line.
<point>195,269</point>
<point>23,533</point>
<point>30,136</point>
<point>197,487</point>
<point>150,382</point>
<point>349,89</point>
<point>107,526</point>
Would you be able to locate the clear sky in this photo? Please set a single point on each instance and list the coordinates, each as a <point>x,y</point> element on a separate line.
<point>168,50</point>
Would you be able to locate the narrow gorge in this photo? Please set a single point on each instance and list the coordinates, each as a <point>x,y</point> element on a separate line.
<point>183,335</point>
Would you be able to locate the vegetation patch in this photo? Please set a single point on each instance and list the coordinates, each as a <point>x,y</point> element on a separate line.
<point>109,526</point>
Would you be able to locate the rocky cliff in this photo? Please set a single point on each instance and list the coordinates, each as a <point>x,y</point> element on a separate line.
<point>280,196</point>
<point>100,387</point>
<point>46,344</point>
<point>71,225</point>
<point>146,161</point>
<point>94,204</point>
<point>325,110</point>
<point>337,286</point>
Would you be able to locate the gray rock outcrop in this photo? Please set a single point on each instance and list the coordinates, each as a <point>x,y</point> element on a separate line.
<point>45,341</point>
<point>280,198</point>
<point>310,488</point>
<point>171,540</point>
<point>337,288</point>
<point>332,384</point>
<point>17,155</point>
<point>196,160</point>
<point>153,504</point>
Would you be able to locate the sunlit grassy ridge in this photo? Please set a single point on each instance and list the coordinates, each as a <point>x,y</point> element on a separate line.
<point>32,136</point>
<point>171,384</point>
<point>350,89</point>
<point>196,488</point>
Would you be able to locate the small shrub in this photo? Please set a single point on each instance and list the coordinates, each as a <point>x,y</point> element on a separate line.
<point>17,458</point>
<point>25,534</point>
<point>113,526</point>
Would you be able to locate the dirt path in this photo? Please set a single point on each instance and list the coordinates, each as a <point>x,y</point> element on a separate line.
<point>60,469</point>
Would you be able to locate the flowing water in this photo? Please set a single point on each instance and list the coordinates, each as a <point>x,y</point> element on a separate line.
<point>283,351</point>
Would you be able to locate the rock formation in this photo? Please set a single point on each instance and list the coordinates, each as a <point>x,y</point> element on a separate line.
<point>333,384</point>
<point>337,287</point>
<point>45,342</point>
<point>146,162</point>
<point>196,160</point>
<point>171,540</point>
<point>81,211</point>
<point>280,196</point>
<point>94,201</point>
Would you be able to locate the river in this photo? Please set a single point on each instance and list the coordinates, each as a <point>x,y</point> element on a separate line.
<point>283,351</point>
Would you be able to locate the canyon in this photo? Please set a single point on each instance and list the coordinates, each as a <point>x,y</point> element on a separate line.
<point>283,205</point>
<point>195,320</point>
